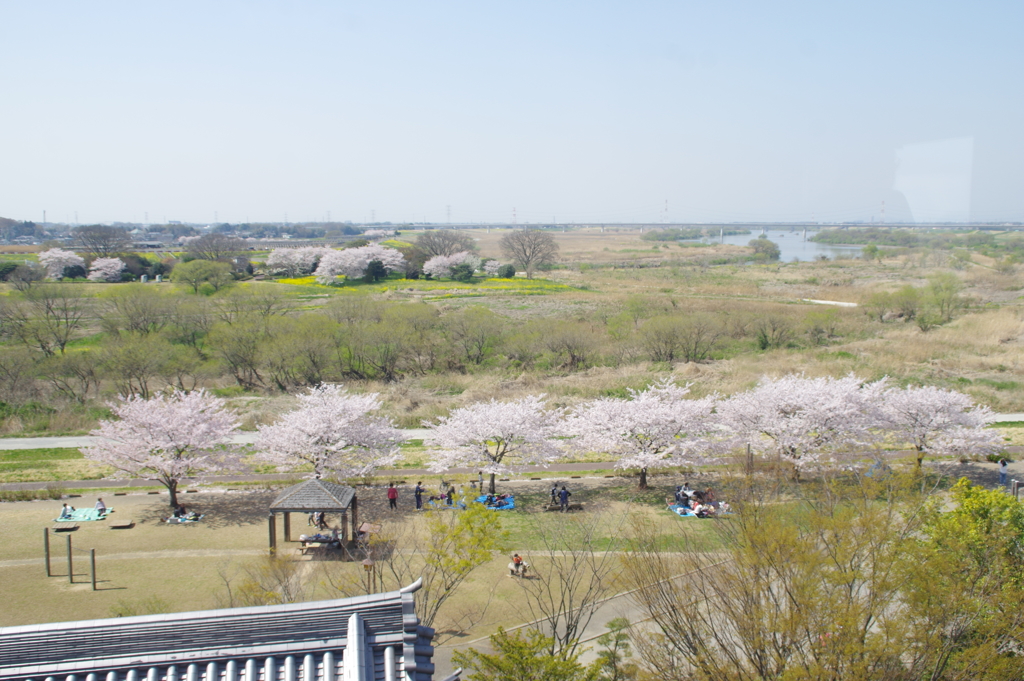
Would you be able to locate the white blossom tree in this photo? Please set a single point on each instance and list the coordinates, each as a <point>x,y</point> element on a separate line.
<point>106,269</point>
<point>333,432</point>
<point>167,438</point>
<point>442,265</point>
<point>56,260</point>
<point>491,268</point>
<point>654,428</point>
<point>804,420</point>
<point>938,422</point>
<point>295,261</point>
<point>352,262</point>
<point>497,437</point>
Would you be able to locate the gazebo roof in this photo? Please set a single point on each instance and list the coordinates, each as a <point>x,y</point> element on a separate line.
<point>314,495</point>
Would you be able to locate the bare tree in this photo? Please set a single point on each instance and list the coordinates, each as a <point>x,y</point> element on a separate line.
<point>529,248</point>
<point>47,320</point>
<point>25,275</point>
<point>572,575</point>
<point>215,247</point>
<point>444,242</point>
<point>102,241</point>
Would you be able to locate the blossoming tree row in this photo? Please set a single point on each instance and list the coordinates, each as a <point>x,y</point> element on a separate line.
<point>802,421</point>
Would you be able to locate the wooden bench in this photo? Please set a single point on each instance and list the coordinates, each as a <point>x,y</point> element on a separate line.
<point>65,526</point>
<point>572,506</point>
<point>122,524</point>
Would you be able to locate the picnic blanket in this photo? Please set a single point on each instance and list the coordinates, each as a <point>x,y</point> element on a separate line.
<point>505,504</point>
<point>184,521</point>
<point>681,511</point>
<point>84,515</point>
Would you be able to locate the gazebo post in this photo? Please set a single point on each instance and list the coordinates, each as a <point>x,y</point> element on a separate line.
<point>343,522</point>
<point>273,533</point>
<point>287,526</point>
<point>355,521</point>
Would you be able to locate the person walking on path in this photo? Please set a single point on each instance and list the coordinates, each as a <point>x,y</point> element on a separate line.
<point>392,496</point>
<point>563,497</point>
<point>1003,468</point>
<point>419,496</point>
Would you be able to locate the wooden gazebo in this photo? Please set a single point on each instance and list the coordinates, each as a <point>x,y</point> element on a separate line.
<point>309,497</point>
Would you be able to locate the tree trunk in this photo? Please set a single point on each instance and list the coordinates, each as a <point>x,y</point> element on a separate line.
<point>492,483</point>
<point>172,491</point>
<point>920,457</point>
<point>643,479</point>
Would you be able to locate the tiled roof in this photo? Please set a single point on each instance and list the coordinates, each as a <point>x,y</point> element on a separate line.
<point>367,638</point>
<point>314,495</point>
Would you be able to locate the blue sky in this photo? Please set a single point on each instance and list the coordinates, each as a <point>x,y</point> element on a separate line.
<point>567,111</point>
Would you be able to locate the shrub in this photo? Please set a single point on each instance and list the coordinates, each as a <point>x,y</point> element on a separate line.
<point>507,271</point>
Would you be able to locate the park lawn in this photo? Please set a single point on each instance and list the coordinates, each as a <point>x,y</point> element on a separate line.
<point>46,465</point>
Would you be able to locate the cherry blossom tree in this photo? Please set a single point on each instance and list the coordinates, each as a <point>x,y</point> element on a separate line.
<point>106,269</point>
<point>167,438</point>
<point>497,437</point>
<point>803,420</point>
<point>441,265</point>
<point>491,268</point>
<point>938,422</point>
<point>333,432</point>
<point>56,260</point>
<point>294,261</point>
<point>654,428</point>
<point>352,262</point>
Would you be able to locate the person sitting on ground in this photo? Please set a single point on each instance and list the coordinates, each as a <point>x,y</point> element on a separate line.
<point>686,488</point>
<point>101,508</point>
<point>66,511</point>
<point>179,511</point>
<point>518,566</point>
<point>709,497</point>
<point>679,494</point>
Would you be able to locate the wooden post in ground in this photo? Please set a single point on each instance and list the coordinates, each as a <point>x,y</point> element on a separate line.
<point>273,534</point>
<point>92,567</point>
<point>71,564</point>
<point>46,550</point>
<point>355,519</point>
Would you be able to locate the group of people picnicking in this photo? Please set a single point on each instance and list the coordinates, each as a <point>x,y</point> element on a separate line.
<point>702,504</point>
<point>67,511</point>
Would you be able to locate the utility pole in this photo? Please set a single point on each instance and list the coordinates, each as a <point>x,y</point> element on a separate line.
<point>44,217</point>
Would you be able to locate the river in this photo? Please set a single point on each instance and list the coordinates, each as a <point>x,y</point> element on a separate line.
<point>792,245</point>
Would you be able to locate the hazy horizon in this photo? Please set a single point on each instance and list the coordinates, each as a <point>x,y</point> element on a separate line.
<point>565,112</point>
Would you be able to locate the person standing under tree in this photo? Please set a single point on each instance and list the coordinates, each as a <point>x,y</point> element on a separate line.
<point>418,492</point>
<point>392,496</point>
<point>1003,469</point>
<point>563,497</point>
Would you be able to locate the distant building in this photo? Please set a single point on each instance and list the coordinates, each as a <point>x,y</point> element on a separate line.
<point>366,638</point>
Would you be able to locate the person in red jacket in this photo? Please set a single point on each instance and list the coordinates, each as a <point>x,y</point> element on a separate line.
<point>392,496</point>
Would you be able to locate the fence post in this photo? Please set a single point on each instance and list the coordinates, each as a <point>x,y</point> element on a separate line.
<point>46,550</point>
<point>71,564</point>
<point>92,567</point>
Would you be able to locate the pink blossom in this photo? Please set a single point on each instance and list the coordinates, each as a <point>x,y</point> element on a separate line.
<point>294,261</point>
<point>497,437</point>
<point>56,260</point>
<point>654,428</point>
<point>352,262</point>
<point>106,269</point>
<point>491,268</point>
<point>441,265</point>
<point>938,422</point>
<point>801,420</point>
<point>166,438</point>
<point>333,432</point>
